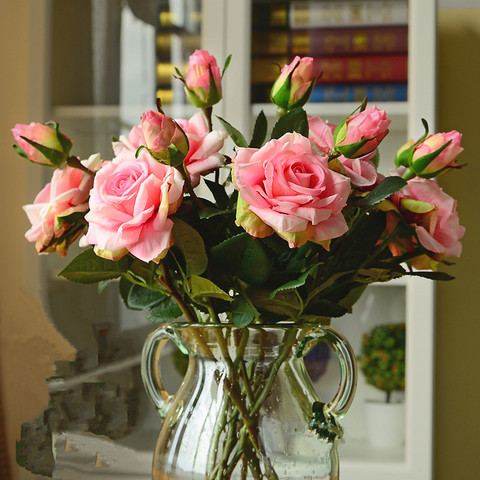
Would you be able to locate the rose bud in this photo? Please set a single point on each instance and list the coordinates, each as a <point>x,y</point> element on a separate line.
<point>294,85</point>
<point>434,155</point>
<point>42,143</point>
<point>361,133</point>
<point>204,81</point>
<point>164,138</point>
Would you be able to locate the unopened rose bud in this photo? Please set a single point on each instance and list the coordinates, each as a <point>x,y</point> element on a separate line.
<point>42,143</point>
<point>294,85</point>
<point>203,84</point>
<point>361,133</point>
<point>164,138</point>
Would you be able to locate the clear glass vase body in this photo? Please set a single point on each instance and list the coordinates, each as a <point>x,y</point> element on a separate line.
<point>244,409</point>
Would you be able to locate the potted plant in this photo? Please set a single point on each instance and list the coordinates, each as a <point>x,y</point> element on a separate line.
<point>382,362</point>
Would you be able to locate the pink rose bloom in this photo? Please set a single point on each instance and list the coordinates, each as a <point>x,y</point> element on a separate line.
<point>425,205</point>
<point>200,66</point>
<point>362,132</point>
<point>288,186</point>
<point>361,171</point>
<point>45,136</point>
<point>67,193</point>
<point>203,156</point>
<point>131,141</point>
<point>293,85</point>
<point>162,134</point>
<point>446,158</point>
<point>130,203</point>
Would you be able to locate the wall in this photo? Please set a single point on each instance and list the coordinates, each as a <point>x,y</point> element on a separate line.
<point>457,418</point>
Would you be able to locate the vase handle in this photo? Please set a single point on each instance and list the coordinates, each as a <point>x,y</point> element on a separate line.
<point>150,366</point>
<point>348,367</point>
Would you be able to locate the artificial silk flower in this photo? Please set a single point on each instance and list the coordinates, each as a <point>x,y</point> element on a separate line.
<point>42,143</point>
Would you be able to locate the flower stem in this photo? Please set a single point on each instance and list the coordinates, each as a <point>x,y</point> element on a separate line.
<point>75,162</point>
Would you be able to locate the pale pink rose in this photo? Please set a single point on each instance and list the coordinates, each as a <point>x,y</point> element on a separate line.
<point>287,184</point>
<point>435,220</point>
<point>130,204</point>
<point>203,156</point>
<point>162,134</point>
<point>291,88</point>
<point>445,159</point>
<point>131,142</point>
<point>67,193</point>
<point>44,135</point>
<point>200,66</point>
<point>371,125</point>
<point>361,171</point>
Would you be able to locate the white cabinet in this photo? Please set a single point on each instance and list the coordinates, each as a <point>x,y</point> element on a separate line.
<point>411,299</point>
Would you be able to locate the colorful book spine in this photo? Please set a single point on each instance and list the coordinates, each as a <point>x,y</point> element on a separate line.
<point>311,14</point>
<point>332,41</point>
<point>268,14</point>
<point>394,92</point>
<point>341,69</point>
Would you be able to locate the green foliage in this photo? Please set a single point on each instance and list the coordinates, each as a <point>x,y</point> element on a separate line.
<point>382,357</point>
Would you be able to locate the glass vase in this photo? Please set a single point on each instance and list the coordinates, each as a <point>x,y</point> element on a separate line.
<point>247,408</point>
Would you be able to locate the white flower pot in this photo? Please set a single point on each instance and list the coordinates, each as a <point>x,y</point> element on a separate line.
<point>385,424</point>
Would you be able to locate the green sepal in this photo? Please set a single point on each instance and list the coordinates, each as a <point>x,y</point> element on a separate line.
<point>293,121</point>
<point>20,152</point>
<point>306,96</point>
<point>87,267</point>
<point>383,190</point>
<point>259,131</point>
<point>423,162</point>
<point>226,64</point>
<point>352,149</point>
<point>55,157</point>
<point>282,95</point>
<point>235,134</point>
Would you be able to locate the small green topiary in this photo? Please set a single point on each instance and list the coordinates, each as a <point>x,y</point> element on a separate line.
<point>382,358</point>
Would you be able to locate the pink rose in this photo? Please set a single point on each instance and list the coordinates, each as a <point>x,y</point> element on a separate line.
<point>293,86</point>
<point>433,213</point>
<point>361,133</point>
<point>67,193</point>
<point>131,142</point>
<point>203,156</point>
<point>130,203</point>
<point>287,184</point>
<point>361,171</point>
<point>164,138</point>
<point>444,160</point>
<point>59,145</point>
<point>202,66</point>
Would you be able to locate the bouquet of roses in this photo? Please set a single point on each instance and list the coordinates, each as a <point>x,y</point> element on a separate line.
<point>304,219</point>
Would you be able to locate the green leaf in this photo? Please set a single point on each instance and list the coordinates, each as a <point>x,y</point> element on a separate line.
<point>218,192</point>
<point>383,190</point>
<point>165,311</point>
<point>90,268</point>
<point>293,121</point>
<point>292,284</point>
<point>243,313</point>
<point>325,308</point>
<point>190,243</point>
<point>143,297</point>
<point>103,285</point>
<point>124,287</point>
<point>235,134</point>
<point>259,131</point>
<point>284,304</point>
<point>441,276</point>
<point>203,287</point>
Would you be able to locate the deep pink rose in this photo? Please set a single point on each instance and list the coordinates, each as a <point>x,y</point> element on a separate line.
<point>292,88</point>
<point>67,193</point>
<point>130,205</point>
<point>131,142</point>
<point>163,136</point>
<point>46,136</point>
<point>424,204</point>
<point>203,156</point>
<point>200,66</point>
<point>362,132</point>
<point>287,184</point>
<point>446,158</point>
<point>361,171</point>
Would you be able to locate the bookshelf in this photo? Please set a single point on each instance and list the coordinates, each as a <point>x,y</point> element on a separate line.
<point>225,29</point>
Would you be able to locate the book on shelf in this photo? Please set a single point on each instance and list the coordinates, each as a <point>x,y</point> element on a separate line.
<point>168,42</point>
<point>308,14</point>
<point>340,69</point>
<point>375,92</point>
<point>334,41</point>
<point>270,14</point>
